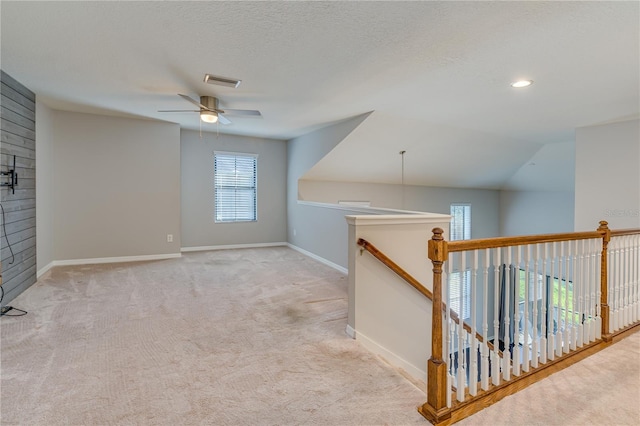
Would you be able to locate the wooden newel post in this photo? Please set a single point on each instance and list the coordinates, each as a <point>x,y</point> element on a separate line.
<point>436,404</point>
<point>604,280</point>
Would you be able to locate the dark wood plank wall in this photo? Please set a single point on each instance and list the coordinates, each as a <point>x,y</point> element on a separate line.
<point>18,133</point>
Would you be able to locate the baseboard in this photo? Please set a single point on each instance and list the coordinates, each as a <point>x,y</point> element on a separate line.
<point>115,259</point>
<point>351,332</point>
<point>319,259</point>
<point>44,270</point>
<point>393,359</point>
<point>230,247</point>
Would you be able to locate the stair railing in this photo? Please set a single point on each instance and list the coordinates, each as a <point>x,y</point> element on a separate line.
<point>553,299</point>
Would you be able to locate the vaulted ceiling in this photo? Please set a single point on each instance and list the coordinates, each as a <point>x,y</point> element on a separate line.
<point>436,74</point>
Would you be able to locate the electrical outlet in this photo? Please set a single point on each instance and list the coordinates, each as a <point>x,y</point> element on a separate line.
<point>169,238</point>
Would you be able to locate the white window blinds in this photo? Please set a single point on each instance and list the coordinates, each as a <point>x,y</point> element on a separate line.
<point>235,187</point>
<point>460,222</point>
<point>460,281</point>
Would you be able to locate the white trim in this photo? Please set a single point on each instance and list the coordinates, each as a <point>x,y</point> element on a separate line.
<point>370,210</point>
<point>397,219</point>
<point>115,259</point>
<point>319,259</point>
<point>231,246</point>
<point>235,154</point>
<point>392,358</point>
<point>44,270</point>
<point>351,332</point>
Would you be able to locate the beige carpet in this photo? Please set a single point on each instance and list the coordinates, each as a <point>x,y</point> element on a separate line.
<point>237,337</point>
<point>242,337</point>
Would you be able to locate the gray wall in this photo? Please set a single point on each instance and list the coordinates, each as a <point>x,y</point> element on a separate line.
<point>117,186</point>
<point>18,138</point>
<point>536,212</point>
<point>608,176</point>
<point>484,202</point>
<point>320,231</point>
<point>198,226</point>
<point>45,186</point>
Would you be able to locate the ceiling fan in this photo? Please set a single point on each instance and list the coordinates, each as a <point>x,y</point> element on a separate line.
<point>209,111</point>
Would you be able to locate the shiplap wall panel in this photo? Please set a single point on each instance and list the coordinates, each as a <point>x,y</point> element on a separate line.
<point>17,137</point>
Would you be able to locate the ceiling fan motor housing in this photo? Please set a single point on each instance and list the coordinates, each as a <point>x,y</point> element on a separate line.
<point>210,102</point>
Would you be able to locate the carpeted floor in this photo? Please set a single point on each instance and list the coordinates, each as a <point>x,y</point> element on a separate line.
<point>237,337</point>
<point>242,337</point>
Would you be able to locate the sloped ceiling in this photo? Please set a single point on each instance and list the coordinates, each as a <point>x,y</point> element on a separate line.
<point>436,74</point>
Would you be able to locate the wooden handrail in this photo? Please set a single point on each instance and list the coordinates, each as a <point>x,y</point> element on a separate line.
<point>417,285</point>
<point>620,232</point>
<point>498,242</point>
<point>395,268</point>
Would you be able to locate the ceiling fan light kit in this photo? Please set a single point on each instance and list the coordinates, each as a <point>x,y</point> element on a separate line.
<point>209,111</point>
<point>222,81</point>
<point>209,116</point>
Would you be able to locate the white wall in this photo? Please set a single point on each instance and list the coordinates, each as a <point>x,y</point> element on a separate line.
<point>117,186</point>
<point>484,202</point>
<point>536,212</point>
<point>44,187</point>
<point>608,176</point>
<point>197,202</point>
<point>386,314</point>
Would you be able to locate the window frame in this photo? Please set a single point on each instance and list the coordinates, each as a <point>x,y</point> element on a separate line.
<point>251,188</point>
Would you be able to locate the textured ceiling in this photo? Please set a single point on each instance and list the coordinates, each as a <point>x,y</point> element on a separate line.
<point>436,74</point>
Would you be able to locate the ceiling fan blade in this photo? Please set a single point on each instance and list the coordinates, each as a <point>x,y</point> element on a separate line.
<point>178,110</point>
<point>193,101</point>
<point>222,119</point>
<point>247,112</point>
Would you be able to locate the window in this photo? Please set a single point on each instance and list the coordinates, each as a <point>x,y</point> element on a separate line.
<point>460,281</point>
<point>460,222</point>
<point>235,187</point>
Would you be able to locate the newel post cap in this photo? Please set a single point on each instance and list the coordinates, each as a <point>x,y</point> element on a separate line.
<point>437,247</point>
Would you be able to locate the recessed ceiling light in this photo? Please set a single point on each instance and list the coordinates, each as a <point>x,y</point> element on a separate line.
<point>521,83</point>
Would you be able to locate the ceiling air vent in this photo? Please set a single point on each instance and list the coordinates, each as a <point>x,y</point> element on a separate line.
<point>221,81</point>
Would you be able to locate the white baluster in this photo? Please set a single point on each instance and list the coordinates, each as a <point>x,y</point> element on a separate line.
<point>473,350</point>
<point>578,285</point>
<point>553,321</point>
<point>594,280</point>
<point>594,299</point>
<point>559,336</point>
<point>534,322</point>
<point>495,359</point>
<point>484,366</point>
<point>627,280</point>
<point>616,284</point>
<point>449,386</point>
<point>507,354</point>
<point>448,343</point>
<point>598,325</point>
<point>567,318</point>
<point>635,273</point>
<point>583,279</point>
<point>517,358</point>
<point>573,332</point>
<point>543,305</point>
<point>462,373</point>
<point>525,317</point>
<point>589,302</point>
<point>551,342</point>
